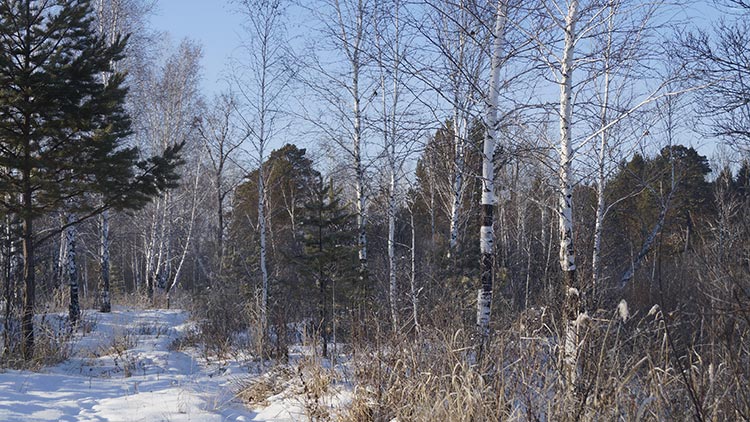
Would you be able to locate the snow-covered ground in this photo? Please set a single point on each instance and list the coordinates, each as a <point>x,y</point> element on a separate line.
<point>125,370</point>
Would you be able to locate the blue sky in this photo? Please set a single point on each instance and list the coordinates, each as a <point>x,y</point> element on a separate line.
<point>217,28</point>
<point>214,25</point>
<point>209,22</point>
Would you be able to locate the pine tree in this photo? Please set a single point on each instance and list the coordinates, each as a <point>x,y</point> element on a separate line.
<point>329,253</point>
<point>62,128</point>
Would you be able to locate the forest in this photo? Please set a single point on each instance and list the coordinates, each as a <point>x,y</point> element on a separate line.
<point>459,210</point>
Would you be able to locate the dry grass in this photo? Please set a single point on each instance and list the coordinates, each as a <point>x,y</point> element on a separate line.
<point>635,370</point>
<point>256,391</point>
<point>53,342</point>
<point>308,383</point>
<point>316,387</point>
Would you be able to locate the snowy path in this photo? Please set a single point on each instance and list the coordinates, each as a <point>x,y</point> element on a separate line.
<point>124,370</point>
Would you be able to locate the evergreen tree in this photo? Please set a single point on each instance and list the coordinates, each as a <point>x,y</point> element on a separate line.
<point>329,252</point>
<point>289,176</point>
<point>62,128</point>
<point>741,184</point>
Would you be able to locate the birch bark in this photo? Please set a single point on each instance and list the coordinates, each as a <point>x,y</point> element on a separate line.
<point>109,27</point>
<point>567,250</point>
<point>74,308</point>
<point>388,37</point>
<point>600,170</point>
<point>353,50</point>
<point>262,89</point>
<point>105,300</point>
<point>487,233</point>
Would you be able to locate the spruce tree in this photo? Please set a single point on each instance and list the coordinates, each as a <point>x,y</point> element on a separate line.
<point>61,129</point>
<point>329,249</point>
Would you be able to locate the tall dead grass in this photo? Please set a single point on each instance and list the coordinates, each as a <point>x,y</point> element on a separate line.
<point>632,369</point>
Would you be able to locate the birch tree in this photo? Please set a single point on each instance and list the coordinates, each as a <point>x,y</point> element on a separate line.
<point>222,143</point>
<point>114,19</point>
<point>167,94</point>
<point>262,79</point>
<point>56,67</point>
<point>721,58</point>
<point>351,32</point>
<point>71,269</point>
<point>487,233</point>
<point>455,33</point>
<point>592,17</point>
<point>393,48</point>
<point>391,132</point>
<point>626,49</point>
<point>338,75</point>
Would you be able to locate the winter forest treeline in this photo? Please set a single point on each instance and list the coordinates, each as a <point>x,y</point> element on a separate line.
<point>547,199</point>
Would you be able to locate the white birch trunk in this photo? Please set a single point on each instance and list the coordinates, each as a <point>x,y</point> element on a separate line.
<point>262,229</point>
<point>162,258</point>
<point>188,239</point>
<point>598,224</point>
<point>353,50</point>
<point>74,309</point>
<point>458,57</point>
<point>61,257</point>
<point>359,171</point>
<point>350,35</point>
<point>567,251</point>
<point>487,232</point>
<point>392,290</point>
<point>390,137</point>
<point>105,302</point>
<point>646,247</point>
<point>601,176</point>
<point>11,266</point>
<point>459,161</point>
<point>150,249</point>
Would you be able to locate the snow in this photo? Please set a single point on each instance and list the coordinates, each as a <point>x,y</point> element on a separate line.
<point>125,370</point>
<point>622,310</point>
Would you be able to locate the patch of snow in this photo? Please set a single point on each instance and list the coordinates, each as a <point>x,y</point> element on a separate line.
<point>582,317</point>
<point>124,370</point>
<point>622,310</point>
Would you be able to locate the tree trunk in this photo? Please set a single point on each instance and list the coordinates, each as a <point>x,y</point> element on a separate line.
<point>9,283</point>
<point>567,250</point>
<point>650,239</point>
<point>322,284</point>
<point>459,164</point>
<point>601,176</point>
<point>323,316</point>
<point>29,280</point>
<point>360,182</point>
<point>392,293</point>
<point>74,308</point>
<point>413,280</point>
<point>262,229</point>
<point>61,257</point>
<point>188,239</point>
<point>105,303</point>
<point>220,228</point>
<point>113,19</point>
<point>487,232</point>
